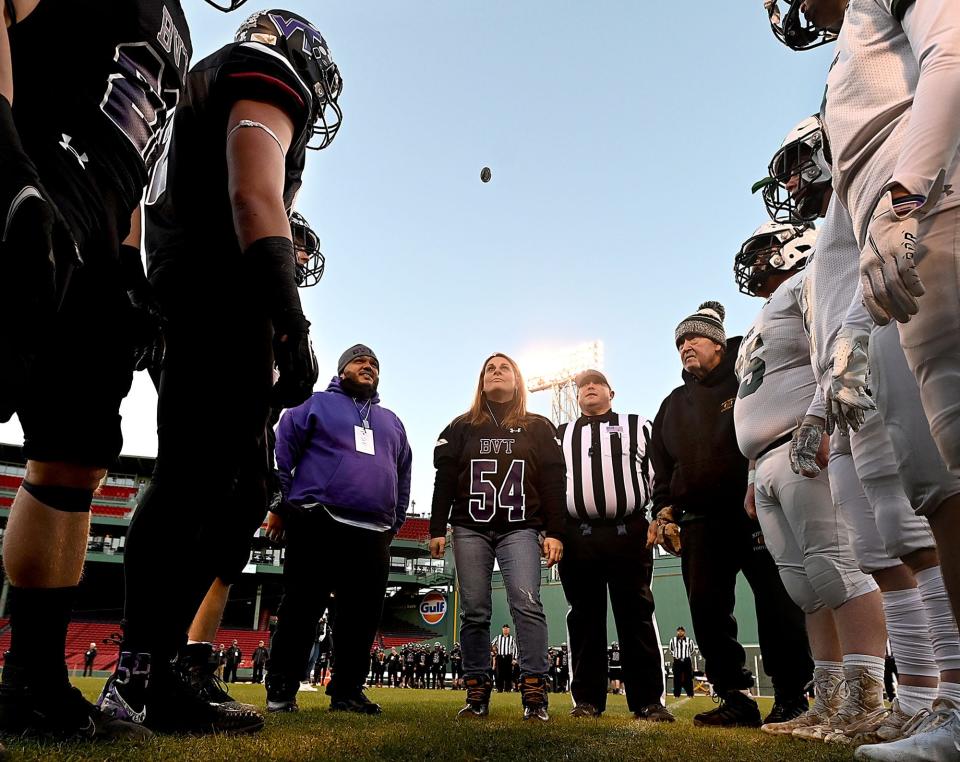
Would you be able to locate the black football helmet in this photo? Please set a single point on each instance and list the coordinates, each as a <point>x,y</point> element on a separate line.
<point>229,5</point>
<point>297,40</point>
<point>794,32</point>
<point>306,246</point>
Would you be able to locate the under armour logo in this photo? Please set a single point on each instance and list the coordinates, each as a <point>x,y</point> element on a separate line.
<point>516,431</point>
<point>81,157</point>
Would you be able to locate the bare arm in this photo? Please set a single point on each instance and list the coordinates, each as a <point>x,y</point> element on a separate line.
<point>23,9</point>
<point>257,172</point>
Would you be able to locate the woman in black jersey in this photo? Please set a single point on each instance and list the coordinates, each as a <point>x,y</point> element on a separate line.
<point>500,483</point>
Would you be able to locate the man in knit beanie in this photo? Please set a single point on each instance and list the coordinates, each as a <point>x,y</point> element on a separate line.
<point>701,480</point>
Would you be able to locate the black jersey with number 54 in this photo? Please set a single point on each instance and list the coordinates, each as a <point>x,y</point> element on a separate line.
<point>95,82</point>
<point>492,477</point>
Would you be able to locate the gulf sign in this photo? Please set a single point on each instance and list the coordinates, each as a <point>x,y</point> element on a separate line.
<point>433,607</point>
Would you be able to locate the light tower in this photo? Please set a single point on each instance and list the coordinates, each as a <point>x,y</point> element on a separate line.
<point>556,371</point>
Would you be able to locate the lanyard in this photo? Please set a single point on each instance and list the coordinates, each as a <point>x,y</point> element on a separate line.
<point>364,413</point>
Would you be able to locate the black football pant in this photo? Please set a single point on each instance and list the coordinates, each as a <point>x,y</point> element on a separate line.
<point>713,553</point>
<point>354,565</point>
<point>504,673</point>
<point>682,677</point>
<point>594,562</point>
<point>208,494</point>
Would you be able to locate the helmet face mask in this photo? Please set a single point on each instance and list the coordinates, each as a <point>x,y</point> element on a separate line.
<point>794,32</point>
<point>227,6</point>
<point>773,247</point>
<point>306,244</point>
<point>804,156</point>
<point>306,50</point>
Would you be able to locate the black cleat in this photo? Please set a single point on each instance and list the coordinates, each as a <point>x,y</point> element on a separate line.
<point>533,694</point>
<point>356,703</point>
<point>479,689</point>
<point>654,713</point>
<point>198,667</point>
<point>736,710</point>
<point>585,710</point>
<point>281,693</point>
<point>785,710</point>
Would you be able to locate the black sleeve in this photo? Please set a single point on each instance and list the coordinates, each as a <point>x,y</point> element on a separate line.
<point>446,458</point>
<point>553,479</point>
<point>662,462</point>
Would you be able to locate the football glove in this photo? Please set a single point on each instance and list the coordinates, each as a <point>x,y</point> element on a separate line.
<point>848,397</point>
<point>805,446</point>
<point>293,354</point>
<point>148,323</point>
<point>888,270</point>
<point>667,531</point>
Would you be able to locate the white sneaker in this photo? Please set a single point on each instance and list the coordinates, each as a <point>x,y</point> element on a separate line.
<point>935,739</point>
<point>305,686</point>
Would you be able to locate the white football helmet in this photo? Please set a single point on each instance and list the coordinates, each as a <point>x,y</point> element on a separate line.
<point>774,246</point>
<point>804,155</point>
<point>794,32</point>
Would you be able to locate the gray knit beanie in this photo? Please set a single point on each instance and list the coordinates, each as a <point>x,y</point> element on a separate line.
<point>356,351</point>
<point>707,321</point>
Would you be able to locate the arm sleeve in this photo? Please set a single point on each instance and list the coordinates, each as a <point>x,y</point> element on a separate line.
<point>662,462</point>
<point>818,405</point>
<point>857,317</point>
<point>291,436</point>
<point>933,134</point>
<point>446,454</point>
<point>553,480</point>
<point>404,468</point>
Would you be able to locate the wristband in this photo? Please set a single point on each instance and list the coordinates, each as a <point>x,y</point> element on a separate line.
<point>751,476</point>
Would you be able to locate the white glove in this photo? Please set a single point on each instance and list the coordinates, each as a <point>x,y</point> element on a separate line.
<point>888,272</point>
<point>847,398</point>
<point>805,447</point>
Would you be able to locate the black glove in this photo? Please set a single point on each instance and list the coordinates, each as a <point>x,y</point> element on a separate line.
<point>293,354</point>
<point>147,323</point>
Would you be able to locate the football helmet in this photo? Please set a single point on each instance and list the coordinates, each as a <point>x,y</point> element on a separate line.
<point>306,246</point>
<point>299,42</point>
<point>804,155</point>
<point>794,32</point>
<point>773,247</point>
<point>227,6</point>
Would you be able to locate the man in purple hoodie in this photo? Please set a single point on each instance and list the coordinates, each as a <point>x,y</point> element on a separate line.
<point>344,466</point>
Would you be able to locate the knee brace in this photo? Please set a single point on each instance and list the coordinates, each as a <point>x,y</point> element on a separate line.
<point>835,586</point>
<point>800,590</point>
<point>66,499</point>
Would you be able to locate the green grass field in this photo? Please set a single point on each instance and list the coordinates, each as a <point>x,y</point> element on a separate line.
<point>420,725</point>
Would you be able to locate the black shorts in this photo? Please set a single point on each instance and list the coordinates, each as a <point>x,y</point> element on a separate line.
<point>616,673</point>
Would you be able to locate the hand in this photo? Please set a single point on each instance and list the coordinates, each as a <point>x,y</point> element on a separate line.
<point>147,322</point>
<point>295,359</point>
<point>806,447</point>
<point>275,528</point>
<point>848,397</point>
<point>750,502</point>
<point>438,546</point>
<point>552,550</point>
<point>888,271</point>
<point>663,531</point>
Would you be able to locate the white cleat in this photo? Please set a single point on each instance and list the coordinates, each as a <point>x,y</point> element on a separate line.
<point>936,738</point>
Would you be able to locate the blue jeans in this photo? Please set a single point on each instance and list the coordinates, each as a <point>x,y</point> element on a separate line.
<point>518,554</point>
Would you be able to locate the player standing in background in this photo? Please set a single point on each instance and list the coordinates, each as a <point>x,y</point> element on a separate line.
<point>221,193</point>
<point>71,179</point>
<point>500,482</point>
<point>804,532</point>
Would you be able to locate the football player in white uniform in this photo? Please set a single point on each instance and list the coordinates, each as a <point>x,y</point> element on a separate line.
<point>803,531</point>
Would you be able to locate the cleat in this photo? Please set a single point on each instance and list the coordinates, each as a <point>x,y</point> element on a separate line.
<point>198,667</point>
<point>533,694</point>
<point>827,690</point>
<point>357,703</point>
<point>479,689</point>
<point>785,710</point>
<point>935,737</point>
<point>654,713</point>
<point>736,710</point>
<point>861,708</point>
<point>585,710</point>
<point>281,693</point>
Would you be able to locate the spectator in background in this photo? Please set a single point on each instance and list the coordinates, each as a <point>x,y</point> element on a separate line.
<point>344,464</point>
<point>232,661</point>
<point>439,666</point>
<point>681,649</point>
<point>221,656</point>
<point>701,479</point>
<point>394,668</point>
<point>260,654</point>
<point>89,655</point>
<point>456,667</point>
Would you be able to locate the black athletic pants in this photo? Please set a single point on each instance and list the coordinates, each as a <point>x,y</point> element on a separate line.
<point>504,673</point>
<point>682,677</point>
<point>354,565</point>
<point>594,562</point>
<point>714,551</point>
<point>209,490</point>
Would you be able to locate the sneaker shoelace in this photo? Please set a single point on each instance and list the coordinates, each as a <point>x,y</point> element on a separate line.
<point>535,693</point>
<point>476,694</point>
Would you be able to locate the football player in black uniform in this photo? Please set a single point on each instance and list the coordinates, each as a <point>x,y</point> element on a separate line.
<point>222,265</point>
<point>500,482</point>
<point>72,172</point>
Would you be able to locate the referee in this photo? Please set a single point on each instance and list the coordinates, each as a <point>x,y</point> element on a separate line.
<point>608,487</point>
<point>505,648</point>
<point>681,648</point>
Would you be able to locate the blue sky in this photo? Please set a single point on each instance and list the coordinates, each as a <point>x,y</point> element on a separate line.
<point>623,139</point>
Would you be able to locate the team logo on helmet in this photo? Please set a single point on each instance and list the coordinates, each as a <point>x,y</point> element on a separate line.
<point>433,608</point>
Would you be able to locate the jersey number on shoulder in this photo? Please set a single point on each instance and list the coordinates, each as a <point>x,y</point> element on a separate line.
<point>750,366</point>
<point>484,497</point>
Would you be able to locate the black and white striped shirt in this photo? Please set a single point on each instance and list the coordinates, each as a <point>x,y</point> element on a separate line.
<point>506,645</point>
<point>609,473</point>
<point>680,648</point>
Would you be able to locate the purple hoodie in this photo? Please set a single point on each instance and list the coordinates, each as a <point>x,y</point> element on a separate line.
<point>319,463</point>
